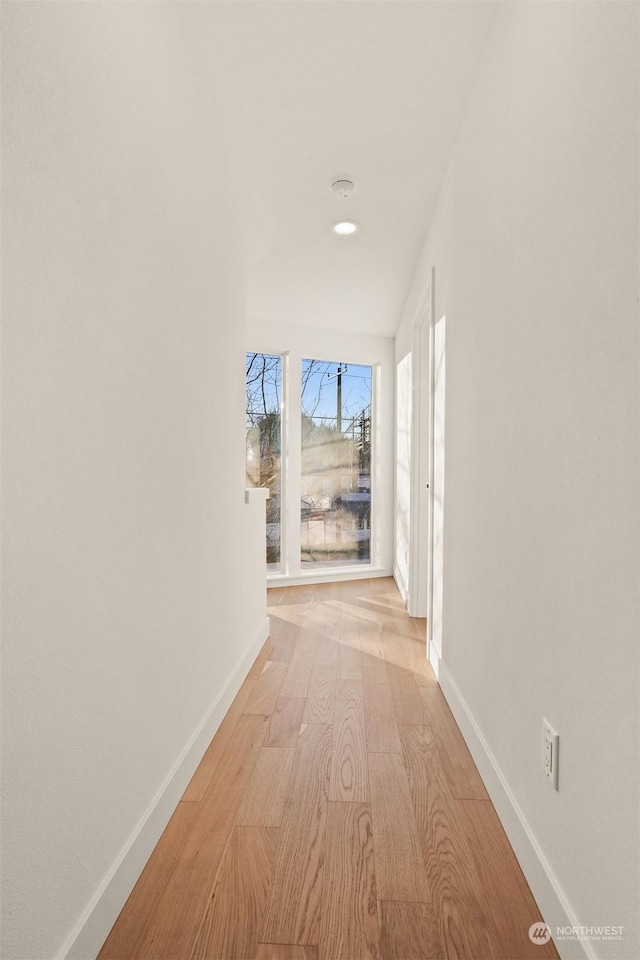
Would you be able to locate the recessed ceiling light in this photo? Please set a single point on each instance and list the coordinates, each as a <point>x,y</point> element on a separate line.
<point>345,227</point>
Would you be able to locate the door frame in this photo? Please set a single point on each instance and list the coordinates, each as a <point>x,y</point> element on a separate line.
<point>422,462</point>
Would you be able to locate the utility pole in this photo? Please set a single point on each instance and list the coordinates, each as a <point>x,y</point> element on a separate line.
<point>342,368</point>
<point>339,425</point>
<point>338,375</point>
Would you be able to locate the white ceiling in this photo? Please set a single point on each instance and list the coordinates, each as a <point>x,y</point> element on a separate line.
<point>324,88</point>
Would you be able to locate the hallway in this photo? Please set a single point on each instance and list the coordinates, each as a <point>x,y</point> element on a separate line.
<point>337,812</point>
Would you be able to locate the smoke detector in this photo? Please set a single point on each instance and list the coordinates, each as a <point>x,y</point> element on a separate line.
<point>343,187</point>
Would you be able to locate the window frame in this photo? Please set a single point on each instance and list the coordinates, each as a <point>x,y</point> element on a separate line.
<point>291,570</point>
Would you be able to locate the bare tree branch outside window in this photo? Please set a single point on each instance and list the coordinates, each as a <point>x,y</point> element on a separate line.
<point>335,506</point>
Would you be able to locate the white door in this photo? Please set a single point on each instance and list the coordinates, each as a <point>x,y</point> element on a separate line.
<point>421,569</point>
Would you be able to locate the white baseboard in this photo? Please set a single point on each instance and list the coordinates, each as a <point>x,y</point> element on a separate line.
<point>554,906</point>
<point>92,929</point>
<point>327,576</point>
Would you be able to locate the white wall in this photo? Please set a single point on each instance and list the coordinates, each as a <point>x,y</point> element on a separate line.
<point>535,247</point>
<point>130,594</point>
<point>328,344</point>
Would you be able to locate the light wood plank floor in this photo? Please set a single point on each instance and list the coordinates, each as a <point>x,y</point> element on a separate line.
<point>337,814</point>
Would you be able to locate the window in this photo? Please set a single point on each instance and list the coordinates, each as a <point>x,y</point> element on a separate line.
<point>322,501</point>
<point>263,443</point>
<point>335,504</point>
<point>404,386</point>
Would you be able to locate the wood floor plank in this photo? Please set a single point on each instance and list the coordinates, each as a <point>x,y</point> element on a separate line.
<point>414,646</point>
<point>408,705</point>
<point>381,727</point>
<point>508,918</point>
<point>292,914</point>
<point>286,951</point>
<point>407,643</point>
<point>284,726</point>
<point>209,763</point>
<point>275,595</point>
<point>326,653</point>
<point>322,687</point>
<point>465,781</point>
<point>446,878</point>
<point>169,923</point>
<point>454,881</point>
<point>374,668</point>
<point>151,884</point>
<point>349,772</point>
<point>408,931</point>
<point>369,623</point>
<point>283,643</point>
<point>229,927</point>
<point>400,868</point>
<point>349,918</point>
<point>298,676</point>
<point>268,647</point>
<point>386,590</point>
<point>350,666</point>
<point>371,626</point>
<point>323,618</point>
<point>293,608</point>
<point>264,799</point>
<point>419,625</point>
<point>301,595</point>
<point>267,688</point>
